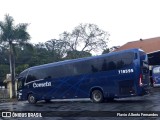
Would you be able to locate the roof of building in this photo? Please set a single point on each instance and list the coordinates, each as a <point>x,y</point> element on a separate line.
<point>148,45</point>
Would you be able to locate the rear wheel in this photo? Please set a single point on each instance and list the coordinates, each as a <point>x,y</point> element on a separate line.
<point>97,96</point>
<point>31,99</point>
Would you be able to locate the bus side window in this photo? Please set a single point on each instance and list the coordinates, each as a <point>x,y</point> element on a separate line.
<point>88,67</point>
<point>104,65</point>
<point>120,64</point>
<point>94,69</point>
<point>30,78</point>
<point>111,65</point>
<point>136,56</point>
<point>128,58</point>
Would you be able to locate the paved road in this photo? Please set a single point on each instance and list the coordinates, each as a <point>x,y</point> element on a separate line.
<point>85,109</point>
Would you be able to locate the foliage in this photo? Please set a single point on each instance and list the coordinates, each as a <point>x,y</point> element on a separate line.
<point>106,51</point>
<point>22,67</point>
<point>77,54</point>
<point>4,69</point>
<point>85,37</point>
<point>11,35</point>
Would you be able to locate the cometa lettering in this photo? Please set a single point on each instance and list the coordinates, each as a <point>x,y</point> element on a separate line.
<point>46,84</point>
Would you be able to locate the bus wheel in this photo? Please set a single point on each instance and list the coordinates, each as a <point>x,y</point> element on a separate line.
<point>31,99</point>
<point>97,96</point>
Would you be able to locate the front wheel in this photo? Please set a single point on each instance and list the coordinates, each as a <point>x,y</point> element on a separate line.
<point>31,99</point>
<point>97,96</point>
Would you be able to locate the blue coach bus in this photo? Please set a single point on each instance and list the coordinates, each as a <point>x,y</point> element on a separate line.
<point>156,76</point>
<point>105,77</point>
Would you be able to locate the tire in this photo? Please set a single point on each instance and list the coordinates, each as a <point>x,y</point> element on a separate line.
<point>97,96</point>
<point>31,99</point>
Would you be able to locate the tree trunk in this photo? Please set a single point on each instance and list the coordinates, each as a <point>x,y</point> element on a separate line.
<point>12,68</point>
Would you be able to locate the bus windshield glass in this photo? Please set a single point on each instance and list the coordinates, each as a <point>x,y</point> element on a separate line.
<point>21,80</point>
<point>19,84</point>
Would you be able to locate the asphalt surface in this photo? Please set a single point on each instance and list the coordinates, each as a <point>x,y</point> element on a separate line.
<point>142,108</point>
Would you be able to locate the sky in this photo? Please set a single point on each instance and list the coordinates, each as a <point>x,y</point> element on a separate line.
<point>124,20</point>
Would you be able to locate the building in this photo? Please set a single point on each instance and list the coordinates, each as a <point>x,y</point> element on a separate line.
<point>151,46</point>
<point>2,85</point>
<point>9,84</point>
<point>3,91</point>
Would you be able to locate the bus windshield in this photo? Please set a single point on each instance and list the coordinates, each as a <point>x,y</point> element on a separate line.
<point>21,80</point>
<point>19,84</point>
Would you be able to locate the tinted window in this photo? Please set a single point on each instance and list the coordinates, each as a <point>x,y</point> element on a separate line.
<point>104,63</point>
<point>84,67</point>
<point>50,72</point>
<point>120,63</point>
<point>117,61</point>
<point>21,79</point>
<point>19,84</point>
<point>127,58</point>
<point>54,72</point>
<point>78,68</point>
<point>23,74</point>
<point>32,75</point>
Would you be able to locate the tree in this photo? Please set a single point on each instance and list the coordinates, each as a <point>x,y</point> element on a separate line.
<point>77,54</point>
<point>41,55</point>
<point>11,35</point>
<point>105,51</point>
<point>57,48</point>
<point>4,66</point>
<point>23,54</point>
<point>3,71</point>
<point>22,67</point>
<point>85,37</point>
<point>108,50</point>
<point>3,55</point>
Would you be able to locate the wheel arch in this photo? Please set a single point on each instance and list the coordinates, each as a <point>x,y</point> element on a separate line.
<point>29,94</point>
<point>96,88</point>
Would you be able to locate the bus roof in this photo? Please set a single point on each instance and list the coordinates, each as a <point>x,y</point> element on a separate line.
<point>82,59</point>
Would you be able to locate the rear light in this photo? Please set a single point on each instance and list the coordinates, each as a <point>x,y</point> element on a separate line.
<point>140,80</point>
